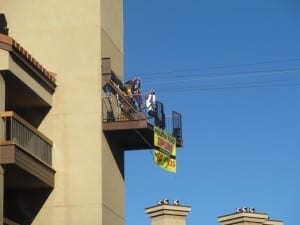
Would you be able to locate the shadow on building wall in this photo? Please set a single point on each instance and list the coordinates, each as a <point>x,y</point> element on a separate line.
<point>3,24</point>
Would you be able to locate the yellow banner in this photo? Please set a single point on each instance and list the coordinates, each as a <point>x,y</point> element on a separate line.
<point>165,150</point>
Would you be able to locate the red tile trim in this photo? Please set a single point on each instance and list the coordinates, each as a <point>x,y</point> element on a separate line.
<point>14,45</point>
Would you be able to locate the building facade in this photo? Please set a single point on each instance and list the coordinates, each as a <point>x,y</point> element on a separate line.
<point>70,38</point>
<point>61,71</point>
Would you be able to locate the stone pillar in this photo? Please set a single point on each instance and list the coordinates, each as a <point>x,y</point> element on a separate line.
<point>245,217</point>
<point>166,214</point>
<point>2,132</point>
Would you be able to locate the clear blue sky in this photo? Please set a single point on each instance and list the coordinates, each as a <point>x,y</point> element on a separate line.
<point>232,68</point>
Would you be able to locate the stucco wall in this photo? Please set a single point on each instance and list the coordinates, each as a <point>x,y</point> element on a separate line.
<point>70,38</point>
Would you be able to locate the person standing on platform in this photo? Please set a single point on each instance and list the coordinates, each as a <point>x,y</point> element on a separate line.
<point>150,103</point>
<point>136,92</point>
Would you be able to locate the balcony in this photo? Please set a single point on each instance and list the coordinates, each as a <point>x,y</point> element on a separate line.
<point>25,78</point>
<point>25,154</point>
<point>124,124</point>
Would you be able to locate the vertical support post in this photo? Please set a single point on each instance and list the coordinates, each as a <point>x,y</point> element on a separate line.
<point>1,193</point>
<point>2,106</point>
<point>2,133</point>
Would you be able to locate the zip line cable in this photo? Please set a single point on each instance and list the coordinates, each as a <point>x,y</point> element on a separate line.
<point>238,85</point>
<point>217,67</point>
<point>230,73</point>
<point>209,88</point>
<point>223,76</point>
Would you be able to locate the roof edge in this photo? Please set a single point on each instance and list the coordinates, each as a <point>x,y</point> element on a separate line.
<point>9,44</point>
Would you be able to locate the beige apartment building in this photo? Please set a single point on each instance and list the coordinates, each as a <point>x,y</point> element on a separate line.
<point>65,117</point>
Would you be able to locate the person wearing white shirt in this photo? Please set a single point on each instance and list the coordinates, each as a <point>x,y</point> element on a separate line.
<point>150,103</point>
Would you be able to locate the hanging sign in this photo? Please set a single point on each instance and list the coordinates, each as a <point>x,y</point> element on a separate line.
<point>164,150</point>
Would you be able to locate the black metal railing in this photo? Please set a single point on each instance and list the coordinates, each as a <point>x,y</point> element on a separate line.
<point>177,125</point>
<point>114,108</point>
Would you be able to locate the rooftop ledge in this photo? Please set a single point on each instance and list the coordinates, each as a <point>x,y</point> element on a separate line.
<point>246,217</point>
<point>175,210</point>
<point>13,47</point>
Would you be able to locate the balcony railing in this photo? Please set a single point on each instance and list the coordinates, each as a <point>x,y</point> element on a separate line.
<point>21,133</point>
<point>115,109</point>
